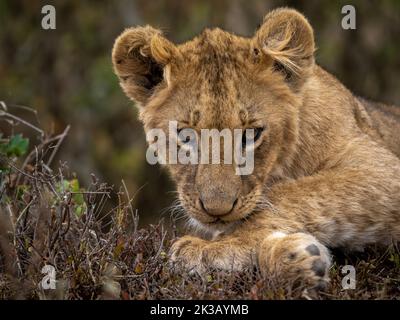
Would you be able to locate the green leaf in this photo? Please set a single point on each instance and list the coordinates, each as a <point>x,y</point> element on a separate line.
<point>80,209</point>
<point>74,185</point>
<point>77,197</point>
<point>21,189</point>
<point>17,146</point>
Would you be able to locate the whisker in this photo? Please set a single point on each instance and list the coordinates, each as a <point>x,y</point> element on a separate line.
<point>176,210</point>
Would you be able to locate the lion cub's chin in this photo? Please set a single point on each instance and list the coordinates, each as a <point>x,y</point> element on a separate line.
<point>214,229</point>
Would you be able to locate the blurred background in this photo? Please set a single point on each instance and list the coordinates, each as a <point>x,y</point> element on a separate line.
<point>66,74</point>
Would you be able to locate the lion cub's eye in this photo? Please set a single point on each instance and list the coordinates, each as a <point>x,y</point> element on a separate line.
<point>181,139</point>
<point>247,136</point>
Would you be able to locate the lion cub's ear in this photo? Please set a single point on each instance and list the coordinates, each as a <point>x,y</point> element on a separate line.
<point>140,56</point>
<point>287,41</point>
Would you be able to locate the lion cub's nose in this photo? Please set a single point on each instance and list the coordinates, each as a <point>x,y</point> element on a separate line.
<point>218,206</point>
<point>218,188</point>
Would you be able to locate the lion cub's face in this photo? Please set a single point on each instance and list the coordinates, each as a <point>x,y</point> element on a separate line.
<point>221,81</point>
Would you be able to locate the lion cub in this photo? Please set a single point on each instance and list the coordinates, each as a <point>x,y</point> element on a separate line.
<point>326,163</point>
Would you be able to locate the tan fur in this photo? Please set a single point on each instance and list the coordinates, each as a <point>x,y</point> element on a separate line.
<point>327,172</point>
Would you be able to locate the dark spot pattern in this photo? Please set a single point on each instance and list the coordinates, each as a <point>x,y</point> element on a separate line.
<point>319,267</point>
<point>313,250</point>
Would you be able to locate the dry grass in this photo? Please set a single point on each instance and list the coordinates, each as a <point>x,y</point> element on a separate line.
<point>99,252</point>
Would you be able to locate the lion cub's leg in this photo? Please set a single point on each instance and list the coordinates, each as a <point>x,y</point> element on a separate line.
<point>194,254</point>
<point>297,257</point>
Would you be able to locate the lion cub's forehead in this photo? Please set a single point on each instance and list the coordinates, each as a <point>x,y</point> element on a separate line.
<point>216,65</point>
<point>215,48</point>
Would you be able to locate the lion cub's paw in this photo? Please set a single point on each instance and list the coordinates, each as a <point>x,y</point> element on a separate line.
<point>185,254</point>
<point>298,257</point>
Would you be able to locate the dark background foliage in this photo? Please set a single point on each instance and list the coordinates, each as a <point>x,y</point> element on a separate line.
<point>66,74</point>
